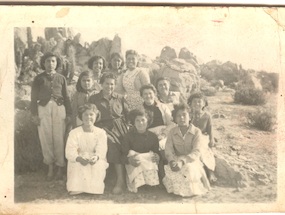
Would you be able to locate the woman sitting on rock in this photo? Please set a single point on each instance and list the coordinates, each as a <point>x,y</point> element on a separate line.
<point>184,174</point>
<point>166,96</point>
<point>203,120</point>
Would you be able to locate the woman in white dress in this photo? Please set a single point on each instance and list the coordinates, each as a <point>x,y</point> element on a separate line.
<point>132,80</point>
<point>86,150</point>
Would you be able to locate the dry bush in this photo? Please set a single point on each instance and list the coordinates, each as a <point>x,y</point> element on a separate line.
<point>249,96</point>
<point>264,119</point>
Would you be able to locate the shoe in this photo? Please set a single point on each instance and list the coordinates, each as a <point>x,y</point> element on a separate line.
<point>117,190</point>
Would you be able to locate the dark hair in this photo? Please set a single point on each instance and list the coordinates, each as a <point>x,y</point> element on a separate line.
<point>131,51</point>
<point>178,107</point>
<point>48,55</point>
<point>95,58</point>
<point>137,112</point>
<point>162,79</point>
<point>82,74</point>
<point>148,86</point>
<point>117,54</point>
<point>107,75</point>
<point>88,106</point>
<point>198,95</point>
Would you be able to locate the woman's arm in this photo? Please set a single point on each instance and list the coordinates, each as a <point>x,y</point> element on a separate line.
<point>72,147</point>
<point>144,77</point>
<point>74,107</point>
<point>101,147</point>
<point>169,148</point>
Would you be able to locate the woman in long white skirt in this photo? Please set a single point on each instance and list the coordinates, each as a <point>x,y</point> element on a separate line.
<point>86,154</point>
<point>184,174</point>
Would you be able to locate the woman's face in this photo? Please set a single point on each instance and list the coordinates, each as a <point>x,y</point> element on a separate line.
<point>116,62</point>
<point>182,118</point>
<point>108,86</point>
<point>88,117</point>
<point>86,82</point>
<point>98,65</point>
<point>131,61</point>
<point>50,64</point>
<point>163,87</point>
<point>148,96</point>
<point>141,123</point>
<point>197,104</point>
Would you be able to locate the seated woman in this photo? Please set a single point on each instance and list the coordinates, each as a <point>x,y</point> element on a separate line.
<point>140,153</point>
<point>166,96</point>
<point>159,113</point>
<point>184,174</point>
<point>203,120</point>
<point>86,150</point>
<point>113,112</point>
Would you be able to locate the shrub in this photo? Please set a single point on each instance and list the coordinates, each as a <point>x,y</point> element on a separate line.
<point>264,120</point>
<point>209,91</point>
<point>249,96</point>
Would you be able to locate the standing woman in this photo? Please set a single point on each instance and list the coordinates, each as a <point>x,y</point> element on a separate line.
<point>113,110</point>
<point>133,79</point>
<point>51,111</point>
<point>116,67</point>
<point>97,64</point>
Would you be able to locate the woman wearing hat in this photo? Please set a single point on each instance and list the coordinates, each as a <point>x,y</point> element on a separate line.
<point>97,64</point>
<point>51,110</point>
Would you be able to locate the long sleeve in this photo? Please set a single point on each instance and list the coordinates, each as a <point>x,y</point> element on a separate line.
<point>167,118</point>
<point>195,153</point>
<point>144,77</point>
<point>74,106</point>
<point>66,98</point>
<point>169,148</point>
<point>126,148</point>
<point>101,147</point>
<point>34,97</point>
<point>71,149</point>
<point>155,146</point>
<point>209,127</point>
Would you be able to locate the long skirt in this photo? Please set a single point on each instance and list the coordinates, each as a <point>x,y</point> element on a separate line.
<point>145,174</point>
<point>189,181</point>
<point>115,137</point>
<point>207,155</point>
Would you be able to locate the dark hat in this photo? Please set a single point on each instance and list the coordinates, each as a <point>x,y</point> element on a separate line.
<point>46,56</point>
<point>94,58</point>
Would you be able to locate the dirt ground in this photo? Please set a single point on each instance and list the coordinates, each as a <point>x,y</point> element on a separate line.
<point>257,153</point>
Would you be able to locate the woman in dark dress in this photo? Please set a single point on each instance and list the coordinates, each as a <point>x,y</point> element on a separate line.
<point>113,111</point>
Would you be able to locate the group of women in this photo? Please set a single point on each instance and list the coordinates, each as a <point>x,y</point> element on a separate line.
<point>146,132</point>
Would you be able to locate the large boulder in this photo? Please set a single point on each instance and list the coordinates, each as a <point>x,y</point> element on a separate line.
<point>116,45</point>
<point>168,53</point>
<point>101,47</point>
<point>183,75</point>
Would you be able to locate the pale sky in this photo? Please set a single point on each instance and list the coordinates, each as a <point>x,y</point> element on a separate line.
<point>247,36</point>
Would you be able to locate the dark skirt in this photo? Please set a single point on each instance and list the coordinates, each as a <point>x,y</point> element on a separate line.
<point>115,136</point>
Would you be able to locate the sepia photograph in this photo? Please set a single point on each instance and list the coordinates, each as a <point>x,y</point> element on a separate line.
<point>142,109</point>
